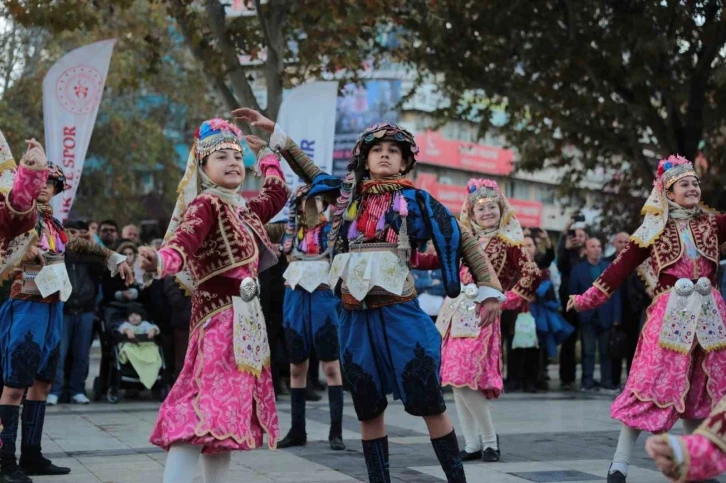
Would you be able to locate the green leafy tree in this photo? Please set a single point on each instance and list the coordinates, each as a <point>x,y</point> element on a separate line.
<point>153,101</point>
<point>587,85</point>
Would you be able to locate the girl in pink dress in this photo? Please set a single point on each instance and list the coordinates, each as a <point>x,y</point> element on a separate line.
<point>216,244</point>
<point>471,356</point>
<point>680,362</point>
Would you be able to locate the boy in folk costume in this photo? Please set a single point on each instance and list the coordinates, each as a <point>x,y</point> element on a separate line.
<point>30,323</point>
<point>311,313</point>
<point>679,364</point>
<point>471,356</point>
<point>388,344</point>
<point>223,399</point>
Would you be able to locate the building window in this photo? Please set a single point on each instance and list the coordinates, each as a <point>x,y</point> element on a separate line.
<point>518,190</point>
<point>544,194</point>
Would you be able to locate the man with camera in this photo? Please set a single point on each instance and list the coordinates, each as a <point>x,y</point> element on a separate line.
<point>570,252</point>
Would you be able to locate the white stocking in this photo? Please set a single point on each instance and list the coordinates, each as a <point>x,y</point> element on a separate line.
<point>216,467</point>
<point>468,424</point>
<point>690,425</point>
<point>478,406</point>
<point>181,463</point>
<point>626,441</point>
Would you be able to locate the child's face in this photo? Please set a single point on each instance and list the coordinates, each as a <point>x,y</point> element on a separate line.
<point>134,319</point>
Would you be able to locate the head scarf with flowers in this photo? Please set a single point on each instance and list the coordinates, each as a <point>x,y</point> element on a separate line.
<point>658,209</point>
<point>487,191</point>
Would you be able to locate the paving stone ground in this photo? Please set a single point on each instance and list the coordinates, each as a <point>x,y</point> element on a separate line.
<point>548,437</point>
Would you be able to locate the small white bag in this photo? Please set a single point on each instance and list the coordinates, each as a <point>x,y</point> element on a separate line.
<point>525,332</point>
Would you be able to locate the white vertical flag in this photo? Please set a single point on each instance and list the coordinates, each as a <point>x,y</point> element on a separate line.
<point>72,92</point>
<point>307,115</point>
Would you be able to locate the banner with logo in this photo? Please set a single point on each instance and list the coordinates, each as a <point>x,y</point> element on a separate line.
<point>307,115</point>
<point>359,107</point>
<point>72,92</point>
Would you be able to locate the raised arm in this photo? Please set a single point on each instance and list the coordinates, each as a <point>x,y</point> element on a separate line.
<point>612,278</point>
<point>18,213</point>
<point>274,192</point>
<point>300,162</point>
<point>115,262</point>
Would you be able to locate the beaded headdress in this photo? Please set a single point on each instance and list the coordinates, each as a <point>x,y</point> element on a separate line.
<point>486,191</point>
<point>670,170</point>
<point>384,132</point>
<point>215,135</point>
<point>55,173</point>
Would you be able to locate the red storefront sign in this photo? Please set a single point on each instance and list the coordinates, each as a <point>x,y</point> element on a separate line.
<point>529,213</point>
<point>479,158</point>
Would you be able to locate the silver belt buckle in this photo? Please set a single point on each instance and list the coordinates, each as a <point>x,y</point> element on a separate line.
<point>249,289</point>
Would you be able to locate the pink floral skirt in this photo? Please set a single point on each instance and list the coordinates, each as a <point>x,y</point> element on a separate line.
<point>664,385</point>
<point>213,404</point>
<point>474,362</point>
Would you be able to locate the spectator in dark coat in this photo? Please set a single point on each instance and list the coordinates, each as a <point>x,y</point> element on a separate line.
<point>634,300</point>
<point>595,325</point>
<point>78,312</point>
<point>569,253</point>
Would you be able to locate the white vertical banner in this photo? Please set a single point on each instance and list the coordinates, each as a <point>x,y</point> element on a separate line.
<point>72,92</point>
<point>307,115</point>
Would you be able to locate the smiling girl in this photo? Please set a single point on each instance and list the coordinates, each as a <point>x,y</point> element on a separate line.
<point>216,244</point>
<point>471,355</point>
<point>680,362</point>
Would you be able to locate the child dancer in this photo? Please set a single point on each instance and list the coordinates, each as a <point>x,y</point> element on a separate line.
<point>388,344</point>
<point>223,399</point>
<point>678,369</point>
<point>31,320</point>
<point>471,356</point>
<point>311,313</point>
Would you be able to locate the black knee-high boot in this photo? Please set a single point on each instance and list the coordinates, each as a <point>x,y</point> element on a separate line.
<point>376,454</point>
<point>335,402</point>
<point>9,416</point>
<point>32,461</point>
<point>447,450</point>
<point>297,435</point>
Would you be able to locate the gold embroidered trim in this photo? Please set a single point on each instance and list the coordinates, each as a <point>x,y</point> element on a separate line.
<point>19,214</point>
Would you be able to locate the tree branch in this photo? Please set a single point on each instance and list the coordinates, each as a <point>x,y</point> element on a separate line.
<point>272,28</point>
<point>240,84</point>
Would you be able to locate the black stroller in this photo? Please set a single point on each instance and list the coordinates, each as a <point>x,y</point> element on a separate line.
<point>113,375</point>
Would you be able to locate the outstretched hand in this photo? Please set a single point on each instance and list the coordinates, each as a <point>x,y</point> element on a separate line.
<point>35,155</point>
<point>125,272</point>
<point>489,310</point>
<point>658,448</point>
<point>571,304</point>
<point>254,118</point>
<point>255,143</point>
<point>148,259</point>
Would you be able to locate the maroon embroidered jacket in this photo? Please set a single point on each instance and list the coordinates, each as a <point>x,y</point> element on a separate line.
<point>212,240</point>
<point>708,231</point>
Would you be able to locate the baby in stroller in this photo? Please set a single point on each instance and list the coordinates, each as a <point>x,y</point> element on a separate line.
<point>138,348</point>
<point>135,325</point>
